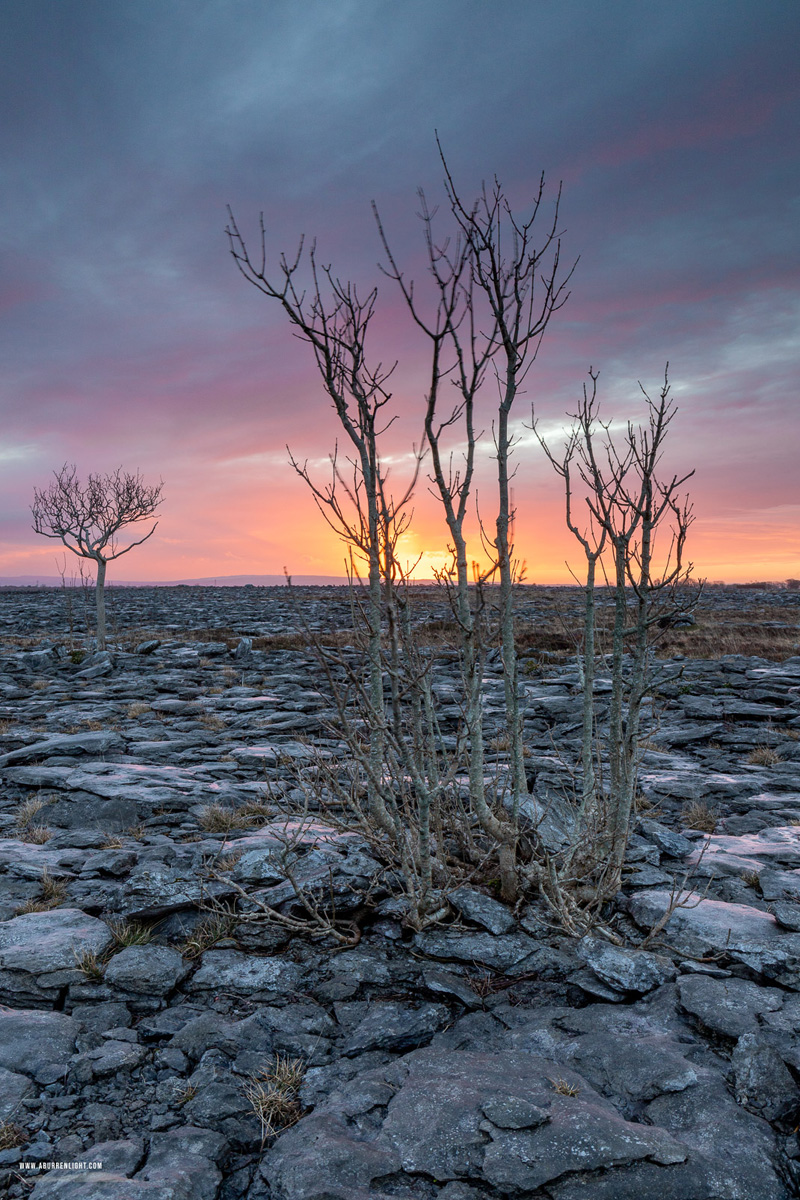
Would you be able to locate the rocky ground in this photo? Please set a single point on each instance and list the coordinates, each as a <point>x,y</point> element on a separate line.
<point>489,1057</point>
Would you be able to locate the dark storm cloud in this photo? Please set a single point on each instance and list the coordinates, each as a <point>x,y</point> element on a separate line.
<point>128,127</point>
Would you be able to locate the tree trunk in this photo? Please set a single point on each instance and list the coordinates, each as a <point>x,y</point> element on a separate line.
<point>100,593</point>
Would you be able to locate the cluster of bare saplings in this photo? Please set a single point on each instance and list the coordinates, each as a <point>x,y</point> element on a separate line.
<point>437,809</point>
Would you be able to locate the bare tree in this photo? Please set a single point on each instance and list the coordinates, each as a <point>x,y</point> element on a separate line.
<point>496,283</point>
<point>88,518</point>
<point>628,509</point>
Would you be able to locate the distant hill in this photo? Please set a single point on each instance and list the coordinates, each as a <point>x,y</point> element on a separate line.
<point>211,581</point>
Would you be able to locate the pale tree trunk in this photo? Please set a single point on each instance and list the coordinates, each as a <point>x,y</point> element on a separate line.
<point>100,595</point>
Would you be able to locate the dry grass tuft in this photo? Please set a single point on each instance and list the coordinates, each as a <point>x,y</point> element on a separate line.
<point>29,810</point>
<point>257,810</point>
<point>91,964</point>
<point>11,1135</point>
<point>186,1093</point>
<point>137,832</point>
<point>563,1088</point>
<point>137,709</point>
<point>699,815</point>
<point>52,894</point>
<point>130,933</point>
<point>207,933</point>
<point>37,835</point>
<point>213,722</point>
<point>273,1094</point>
<point>763,756</point>
<point>750,878</point>
<point>215,818</point>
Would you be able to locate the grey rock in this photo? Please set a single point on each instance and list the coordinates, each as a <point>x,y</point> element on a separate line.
<point>220,1102</point>
<point>148,970</point>
<point>669,842</point>
<point>13,1089</point>
<point>233,971</point>
<point>446,984</point>
<point>118,1157</point>
<point>157,889</point>
<point>148,647</point>
<point>391,1025</point>
<point>727,1006</point>
<point>205,1031</point>
<point>763,1084</point>
<point>500,952</point>
<point>482,910</point>
<point>786,914</point>
<point>626,970</point>
<point>113,1058</point>
<point>101,742</point>
<point>36,947</point>
<point>32,1040</point>
<point>706,927</point>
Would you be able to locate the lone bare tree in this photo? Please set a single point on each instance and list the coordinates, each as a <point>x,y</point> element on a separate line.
<point>88,518</point>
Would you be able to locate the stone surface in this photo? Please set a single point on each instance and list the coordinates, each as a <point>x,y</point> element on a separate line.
<point>578,1063</point>
<point>728,1006</point>
<point>147,970</point>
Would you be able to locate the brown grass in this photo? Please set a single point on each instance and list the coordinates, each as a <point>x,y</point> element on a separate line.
<point>763,756</point>
<point>36,835</point>
<point>130,933</point>
<point>215,818</point>
<point>11,1135</point>
<point>52,894</point>
<point>273,1094</point>
<point>562,1088</point>
<point>207,933</point>
<point>699,815</point>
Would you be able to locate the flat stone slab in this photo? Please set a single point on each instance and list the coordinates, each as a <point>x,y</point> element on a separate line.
<point>727,1006</point>
<point>31,1039</point>
<point>43,942</point>
<point>146,970</point>
<point>705,927</point>
<point>231,970</point>
<point>92,742</point>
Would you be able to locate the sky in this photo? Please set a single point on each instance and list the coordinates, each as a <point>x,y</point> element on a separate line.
<point>128,338</point>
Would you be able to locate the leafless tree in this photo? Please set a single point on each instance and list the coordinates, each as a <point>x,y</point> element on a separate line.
<point>628,509</point>
<point>88,518</point>
<point>497,282</point>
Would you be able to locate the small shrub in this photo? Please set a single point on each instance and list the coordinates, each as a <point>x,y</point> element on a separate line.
<point>763,756</point>
<point>77,657</point>
<point>215,818</point>
<point>207,933</point>
<point>272,1094</point>
<point>37,835</point>
<point>92,966</point>
<point>11,1135</point>
<point>750,878</point>
<point>185,1094</point>
<point>563,1088</point>
<point>699,815</point>
<point>130,933</point>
